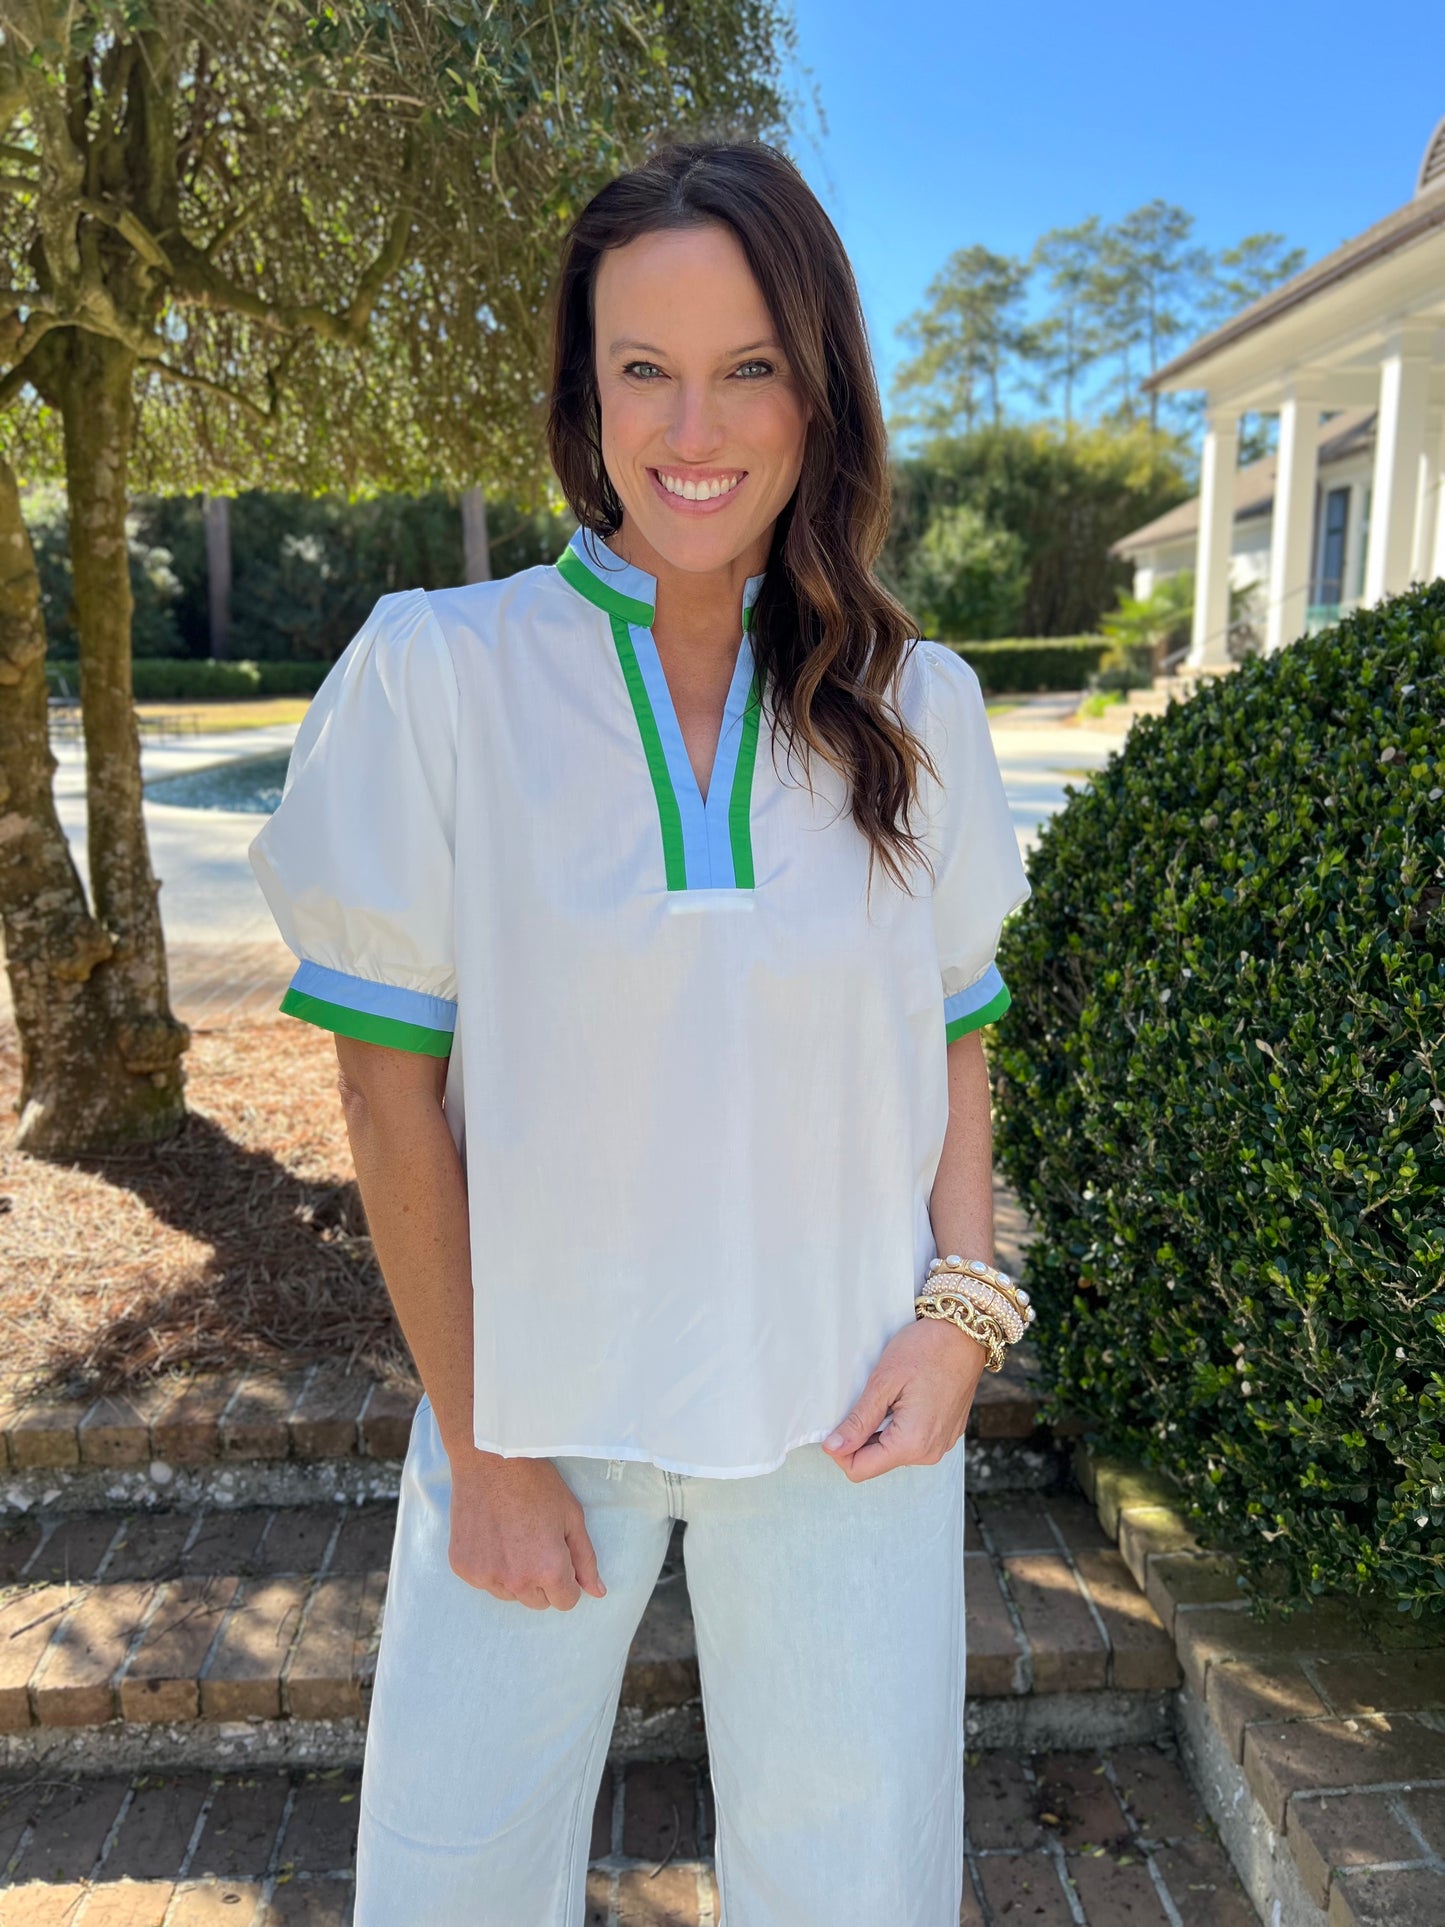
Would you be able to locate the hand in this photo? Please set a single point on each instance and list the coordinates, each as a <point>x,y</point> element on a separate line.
<point>518,1532</point>
<point>926,1378</point>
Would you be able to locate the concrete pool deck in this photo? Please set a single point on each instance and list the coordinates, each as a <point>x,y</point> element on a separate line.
<point>225,957</point>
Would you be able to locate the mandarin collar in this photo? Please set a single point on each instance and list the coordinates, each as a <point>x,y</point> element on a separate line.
<point>611,582</point>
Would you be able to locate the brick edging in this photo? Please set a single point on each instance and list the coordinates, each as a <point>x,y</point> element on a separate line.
<point>313,1414</point>
<point>202,1418</point>
<point>1334,1725</point>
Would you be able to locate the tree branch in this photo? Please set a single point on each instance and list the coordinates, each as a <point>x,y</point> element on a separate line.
<point>198,282</point>
<point>11,384</point>
<point>249,209</point>
<point>130,228</point>
<point>215,388</point>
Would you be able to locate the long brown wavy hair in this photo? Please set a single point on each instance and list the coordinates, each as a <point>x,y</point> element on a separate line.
<point>826,633</point>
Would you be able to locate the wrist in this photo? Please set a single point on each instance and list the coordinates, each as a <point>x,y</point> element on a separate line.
<point>971,1351</point>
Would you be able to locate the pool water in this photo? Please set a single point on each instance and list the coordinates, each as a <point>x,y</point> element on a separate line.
<point>250,784</point>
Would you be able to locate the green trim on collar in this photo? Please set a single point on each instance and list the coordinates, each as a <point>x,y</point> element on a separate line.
<point>674,854</point>
<point>625,608</point>
<point>740,803</point>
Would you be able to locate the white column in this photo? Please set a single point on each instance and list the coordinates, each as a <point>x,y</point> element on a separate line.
<point>1209,644</point>
<point>1437,560</point>
<point>1427,500</point>
<point>1291,547</point>
<point>1399,444</point>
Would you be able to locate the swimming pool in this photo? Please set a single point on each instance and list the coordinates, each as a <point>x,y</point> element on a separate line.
<point>250,785</point>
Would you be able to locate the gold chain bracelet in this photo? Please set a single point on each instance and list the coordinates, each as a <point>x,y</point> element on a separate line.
<point>975,1324</point>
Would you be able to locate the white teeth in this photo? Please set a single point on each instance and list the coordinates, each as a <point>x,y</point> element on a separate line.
<point>697,491</point>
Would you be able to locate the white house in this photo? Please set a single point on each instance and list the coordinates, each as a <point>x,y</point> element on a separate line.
<point>1351,356</point>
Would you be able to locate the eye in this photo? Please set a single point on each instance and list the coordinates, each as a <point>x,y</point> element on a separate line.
<point>644,370</point>
<point>758,362</point>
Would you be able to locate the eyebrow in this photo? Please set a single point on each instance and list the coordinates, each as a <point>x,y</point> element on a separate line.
<point>650,348</point>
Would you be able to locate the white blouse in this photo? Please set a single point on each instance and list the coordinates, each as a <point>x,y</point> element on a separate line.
<point>697,1082</point>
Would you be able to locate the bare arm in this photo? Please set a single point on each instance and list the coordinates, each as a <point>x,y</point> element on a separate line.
<point>517,1529</point>
<point>928,1372</point>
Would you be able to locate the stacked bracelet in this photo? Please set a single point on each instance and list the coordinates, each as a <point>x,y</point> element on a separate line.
<point>981,1300</point>
<point>972,1322</point>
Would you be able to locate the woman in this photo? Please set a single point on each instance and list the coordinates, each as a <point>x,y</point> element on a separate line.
<point>653,898</point>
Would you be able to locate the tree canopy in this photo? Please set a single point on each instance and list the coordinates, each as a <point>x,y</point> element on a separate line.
<point>1076,326</point>
<point>325,233</point>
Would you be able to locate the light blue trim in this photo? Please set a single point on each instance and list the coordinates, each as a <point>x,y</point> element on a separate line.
<point>721,869</point>
<point>963,1003</point>
<point>684,783</point>
<point>706,834</point>
<point>630,594</point>
<point>381,1000</point>
<point>625,578</point>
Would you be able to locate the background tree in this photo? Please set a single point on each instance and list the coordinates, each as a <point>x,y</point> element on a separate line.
<point>1143,295</point>
<point>1063,497</point>
<point>214,208</point>
<point>1067,342</point>
<point>964,578</point>
<point>964,339</point>
<point>1240,275</point>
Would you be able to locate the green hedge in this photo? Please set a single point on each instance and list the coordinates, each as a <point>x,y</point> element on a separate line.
<point>1018,668</point>
<point>178,679</point>
<point>1004,669</point>
<point>1222,1095</point>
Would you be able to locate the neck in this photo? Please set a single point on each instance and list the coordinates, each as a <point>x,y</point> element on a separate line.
<point>699,611</point>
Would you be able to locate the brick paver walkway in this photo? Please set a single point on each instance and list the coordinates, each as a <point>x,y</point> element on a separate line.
<point>1075,1839</point>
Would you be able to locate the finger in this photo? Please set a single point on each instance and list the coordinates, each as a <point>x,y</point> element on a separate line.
<point>584,1561</point>
<point>864,1419</point>
<point>563,1592</point>
<point>893,1446</point>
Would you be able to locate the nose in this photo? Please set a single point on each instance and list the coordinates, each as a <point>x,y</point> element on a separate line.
<point>696,428</point>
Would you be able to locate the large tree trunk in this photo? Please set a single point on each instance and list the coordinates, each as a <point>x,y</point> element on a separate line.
<point>55,950</point>
<point>216,514</point>
<point>105,1066</point>
<point>476,548</point>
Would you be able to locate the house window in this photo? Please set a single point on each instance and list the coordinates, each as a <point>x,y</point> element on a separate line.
<point>1330,586</point>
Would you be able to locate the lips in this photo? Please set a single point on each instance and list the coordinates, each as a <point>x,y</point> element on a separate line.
<point>721,486</point>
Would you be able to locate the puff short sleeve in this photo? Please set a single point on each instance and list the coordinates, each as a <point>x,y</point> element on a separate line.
<point>356,862</point>
<point>978,873</point>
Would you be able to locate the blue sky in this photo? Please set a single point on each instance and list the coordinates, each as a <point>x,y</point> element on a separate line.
<point>954,123</point>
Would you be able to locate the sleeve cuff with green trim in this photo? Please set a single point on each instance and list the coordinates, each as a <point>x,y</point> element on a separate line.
<point>376,1013</point>
<point>979,1004</point>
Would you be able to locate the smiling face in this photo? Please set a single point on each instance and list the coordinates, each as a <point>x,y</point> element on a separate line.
<point>703,425</point>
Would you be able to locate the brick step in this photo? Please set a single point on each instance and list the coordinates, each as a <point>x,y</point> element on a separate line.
<point>1099,1839</point>
<point>249,1634</point>
<point>269,1439</point>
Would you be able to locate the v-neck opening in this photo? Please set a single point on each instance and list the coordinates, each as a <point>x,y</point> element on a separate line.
<point>707,842</point>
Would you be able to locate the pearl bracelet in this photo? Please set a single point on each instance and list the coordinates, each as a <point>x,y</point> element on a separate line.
<point>975,1268</point>
<point>1010,1319</point>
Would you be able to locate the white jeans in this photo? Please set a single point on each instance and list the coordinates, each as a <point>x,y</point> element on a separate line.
<point>830,1638</point>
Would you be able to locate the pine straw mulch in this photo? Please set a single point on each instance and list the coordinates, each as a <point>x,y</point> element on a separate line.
<point>239,1241</point>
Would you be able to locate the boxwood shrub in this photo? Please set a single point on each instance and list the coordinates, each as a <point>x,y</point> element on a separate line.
<point>1021,666</point>
<point>1221,1093</point>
